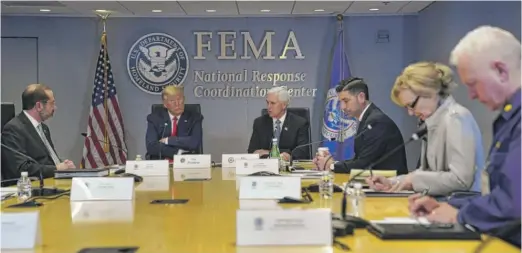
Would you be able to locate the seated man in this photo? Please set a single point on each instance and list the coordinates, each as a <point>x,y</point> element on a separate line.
<point>291,130</point>
<point>27,134</point>
<point>488,62</point>
<point>173,130</point>
<point>372,144</point>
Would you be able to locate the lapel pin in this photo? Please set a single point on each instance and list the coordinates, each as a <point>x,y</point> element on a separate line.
<point>185,121</point>
<point>286,128</point>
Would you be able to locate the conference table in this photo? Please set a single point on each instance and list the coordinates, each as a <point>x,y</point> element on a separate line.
<point>206,223</point>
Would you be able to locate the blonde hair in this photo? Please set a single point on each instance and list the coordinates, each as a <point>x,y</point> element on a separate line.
<point>172,89</point>
<point>424,79</point>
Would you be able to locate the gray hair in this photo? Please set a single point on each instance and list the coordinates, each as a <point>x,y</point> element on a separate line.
<point>488,41</point>
<point>281,92</point>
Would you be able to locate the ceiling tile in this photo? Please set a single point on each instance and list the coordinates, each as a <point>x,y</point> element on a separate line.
<point>415,6</point>
<point>88,7</point>
<point>360,7</point>
<point>329,7</point>
<point>201,7</point>
<point>140,8</point>
<point>36,10</point>
<point>247,7</point>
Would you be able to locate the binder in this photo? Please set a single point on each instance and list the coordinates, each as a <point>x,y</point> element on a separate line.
<point>434,231</point>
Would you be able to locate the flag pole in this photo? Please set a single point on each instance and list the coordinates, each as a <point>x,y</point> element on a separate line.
<point>106,147</point>
<point>340,138</point>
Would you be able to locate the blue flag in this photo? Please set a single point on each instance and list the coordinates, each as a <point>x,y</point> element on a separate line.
<point>335,123</point>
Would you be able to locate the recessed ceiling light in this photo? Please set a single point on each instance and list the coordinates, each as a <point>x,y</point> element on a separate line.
<point>156,11</point>
<point>319,10</point>
<point>102,11</point>
<point>265,10</point>
<point>45,10</point>
<point>374,9</point>
<point>210,10</point>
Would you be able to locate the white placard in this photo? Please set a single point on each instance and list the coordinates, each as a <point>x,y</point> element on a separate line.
<point>192,174</point>
<point>102,188</point>
<point>148,167</point>
<point>246,167</point>
<point>229,160</point>
<point>20,230</point>
<point>269,187</point>
<point>284,227</point>
<point>154,183</point>
<point>102,211</point>
<point>191,161</point>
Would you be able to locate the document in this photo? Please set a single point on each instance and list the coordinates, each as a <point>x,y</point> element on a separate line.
<point>402,220</point>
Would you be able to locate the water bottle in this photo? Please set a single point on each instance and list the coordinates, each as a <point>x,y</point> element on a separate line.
<point>356,200</point>
<point>274,153</point>
<point>24,187</point>
<point>326,183</point>
<point>138,157</point>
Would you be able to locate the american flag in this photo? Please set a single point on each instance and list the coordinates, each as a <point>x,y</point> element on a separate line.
<point>105,129</point>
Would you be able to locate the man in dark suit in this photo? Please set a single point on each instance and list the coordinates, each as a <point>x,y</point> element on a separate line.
<point>28,134</point>
<point>291,130</point>
<point>372,144</point>
<point>173,130</point>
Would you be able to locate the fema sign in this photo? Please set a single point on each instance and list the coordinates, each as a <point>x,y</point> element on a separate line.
<point>155,61</point>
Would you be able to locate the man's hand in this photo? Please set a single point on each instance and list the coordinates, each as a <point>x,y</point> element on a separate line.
<point>422,206</point>
<point>261,152</point>
<point>379,183</point>
<point>164,140</point>
<point>404,184</point>
<point>286,156</point>
<point>62,166</point>
<point>70,164</point>
<point>320,162</point>
<point>445,213</point>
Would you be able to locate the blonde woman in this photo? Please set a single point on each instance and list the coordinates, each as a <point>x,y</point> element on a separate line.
<point>452,151</point>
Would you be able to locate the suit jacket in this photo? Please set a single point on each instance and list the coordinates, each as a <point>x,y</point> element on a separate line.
<point>20,134</point>
<point>372,144</point>
<point>189,136</point>
<point>294,132</point>
<point>452,153</point>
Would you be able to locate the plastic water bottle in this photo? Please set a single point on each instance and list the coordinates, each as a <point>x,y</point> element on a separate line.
<point>326,183</point>
<point>24,187</point>
<point>138,158</point>
<point>356,200</point>
<point>276,154</point>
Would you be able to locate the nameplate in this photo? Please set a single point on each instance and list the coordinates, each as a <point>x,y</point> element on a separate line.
<point>306,227</point>
<point>229,160</point>
<point>20,230</point>
<point>102,211</point>
<point>269,187</point>
<point>246,167</point>
<point>148,167</point>
<point>191,161</point>
<point>97,188</point>
<point>192,174</point>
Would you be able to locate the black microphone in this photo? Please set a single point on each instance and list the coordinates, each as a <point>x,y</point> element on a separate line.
<point>416,136</point>
<point>41,191</point>
<point>161,137</point>
<point>96,139</point>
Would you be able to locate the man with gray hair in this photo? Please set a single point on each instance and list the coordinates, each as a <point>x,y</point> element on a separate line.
<point>488,60</point>
<point>291,130</point>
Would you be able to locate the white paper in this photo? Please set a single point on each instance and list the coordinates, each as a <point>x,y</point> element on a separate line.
<point>20,230</point>
<point>402,220</point>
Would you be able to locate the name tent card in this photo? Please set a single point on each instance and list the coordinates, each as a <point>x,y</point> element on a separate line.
<point>20,230</point>
<point>102,188</point>
<point>192,161</point>
<point>269,187</point>
<point>247,167</point>
<point>284,227</point>
<point>148,167</point>
<point>229,160</point>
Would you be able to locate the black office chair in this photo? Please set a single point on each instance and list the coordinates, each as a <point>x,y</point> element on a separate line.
<point>8,112</point>
<point>196,108</point>
<point>299,111</point>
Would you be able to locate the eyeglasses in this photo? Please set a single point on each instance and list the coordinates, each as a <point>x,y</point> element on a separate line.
<point>414,103</point>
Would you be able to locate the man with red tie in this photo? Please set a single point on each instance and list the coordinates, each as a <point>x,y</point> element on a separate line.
<point>173,130</point>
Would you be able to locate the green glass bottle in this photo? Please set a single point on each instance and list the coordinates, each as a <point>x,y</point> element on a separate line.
<point>274,153</point>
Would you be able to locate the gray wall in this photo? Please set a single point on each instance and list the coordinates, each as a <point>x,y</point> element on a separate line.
<point>68,50</point>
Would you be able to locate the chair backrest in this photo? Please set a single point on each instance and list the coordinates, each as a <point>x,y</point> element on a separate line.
<point>299,111</point>
<point>8,112</point>
<point>196,108</point>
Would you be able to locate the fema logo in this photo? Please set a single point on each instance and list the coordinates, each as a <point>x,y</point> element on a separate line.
<point>336,119</point>
<point>254,184</point>
<point>155,61</point>
<point>245,165</point>
<point>230,159</point>
<point>182,160</point>
<point>258,223</point>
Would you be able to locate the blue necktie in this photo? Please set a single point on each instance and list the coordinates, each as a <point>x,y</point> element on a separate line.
<point>278,129</point>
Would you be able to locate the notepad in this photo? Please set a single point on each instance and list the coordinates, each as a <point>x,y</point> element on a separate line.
<point>384,173</point>
<point>402,220</point>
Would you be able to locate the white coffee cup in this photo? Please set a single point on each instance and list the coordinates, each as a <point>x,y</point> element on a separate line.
<point>322,151</point>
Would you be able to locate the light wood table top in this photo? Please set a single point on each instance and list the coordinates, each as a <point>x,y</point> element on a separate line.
<point>207,223</point>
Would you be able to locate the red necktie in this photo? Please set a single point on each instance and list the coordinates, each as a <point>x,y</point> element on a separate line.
<point>174,126</point>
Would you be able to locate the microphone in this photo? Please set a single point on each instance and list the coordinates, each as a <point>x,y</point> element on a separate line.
<point>96,139</point>
<point>368,128</point>
<point>161,137</point>
<point>416,136</point>
<point>41,191</point>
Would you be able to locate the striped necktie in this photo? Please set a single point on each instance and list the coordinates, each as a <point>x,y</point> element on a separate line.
<point>55,158</point>
<point>278,129</point>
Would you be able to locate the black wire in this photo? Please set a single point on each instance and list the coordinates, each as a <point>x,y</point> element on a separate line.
<point>341,245</point>
<point>66,193</point>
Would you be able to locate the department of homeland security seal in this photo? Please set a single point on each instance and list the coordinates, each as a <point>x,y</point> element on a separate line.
<point>156,60</point>
<point>336,119</point>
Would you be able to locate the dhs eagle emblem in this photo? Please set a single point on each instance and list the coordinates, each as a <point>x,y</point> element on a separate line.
<point>335,119</point>
<point>155,61</point>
